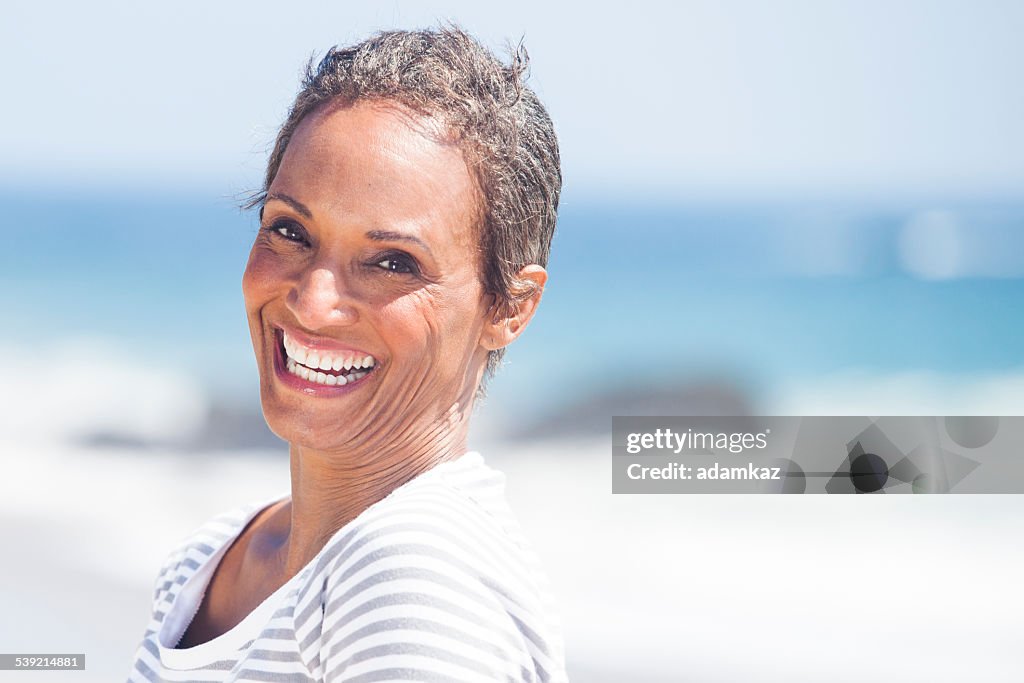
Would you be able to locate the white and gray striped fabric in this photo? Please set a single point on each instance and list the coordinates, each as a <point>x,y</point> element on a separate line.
<point>434,583</point>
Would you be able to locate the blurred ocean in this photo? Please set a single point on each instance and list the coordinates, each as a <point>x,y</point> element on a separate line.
<point>784,307</point>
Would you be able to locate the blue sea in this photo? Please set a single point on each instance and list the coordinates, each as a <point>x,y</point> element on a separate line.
<point>747,293</point>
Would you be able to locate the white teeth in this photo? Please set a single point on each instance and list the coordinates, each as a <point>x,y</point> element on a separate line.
<point>305,363</point>
<point>322,377</point>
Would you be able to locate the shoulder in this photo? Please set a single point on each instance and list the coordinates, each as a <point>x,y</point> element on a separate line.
<point>438,576</point>
<point>454,520</point>
<point>190,552</point>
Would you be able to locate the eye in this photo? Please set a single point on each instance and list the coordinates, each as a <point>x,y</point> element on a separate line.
<point>289,230</point>
<point>398,263</point>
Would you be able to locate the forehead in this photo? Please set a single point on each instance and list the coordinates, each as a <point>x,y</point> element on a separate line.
<point>379,162</point>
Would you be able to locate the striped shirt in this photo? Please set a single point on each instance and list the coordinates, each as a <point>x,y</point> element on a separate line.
<point>433,583</point>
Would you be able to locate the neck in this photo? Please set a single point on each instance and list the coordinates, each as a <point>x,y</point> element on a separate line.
<point>331,488</point>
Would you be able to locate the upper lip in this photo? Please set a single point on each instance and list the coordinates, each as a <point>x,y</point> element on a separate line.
<point>324,345</point>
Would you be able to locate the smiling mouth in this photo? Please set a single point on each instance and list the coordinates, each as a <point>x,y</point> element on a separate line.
<point>329,368</point>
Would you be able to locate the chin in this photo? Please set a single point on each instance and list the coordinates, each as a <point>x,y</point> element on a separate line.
<point>298,432</point>
<point>287,422</point>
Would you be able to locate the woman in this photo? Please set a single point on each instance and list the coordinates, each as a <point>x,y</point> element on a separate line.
<point>406,219</point>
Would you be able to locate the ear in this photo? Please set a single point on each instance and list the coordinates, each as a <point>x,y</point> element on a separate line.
<point>507,320</point>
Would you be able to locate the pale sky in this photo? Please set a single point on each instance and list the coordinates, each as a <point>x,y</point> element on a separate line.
<point>662,100</point>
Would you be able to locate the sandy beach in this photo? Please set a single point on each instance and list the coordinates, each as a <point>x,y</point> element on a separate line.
<point>651,588</point>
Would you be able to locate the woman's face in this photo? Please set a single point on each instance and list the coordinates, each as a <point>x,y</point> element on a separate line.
<point>362,291</point>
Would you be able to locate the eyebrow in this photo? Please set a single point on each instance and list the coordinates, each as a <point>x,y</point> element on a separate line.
<point>375,235</point>
<point>290,201</point>
<point>392,236</point>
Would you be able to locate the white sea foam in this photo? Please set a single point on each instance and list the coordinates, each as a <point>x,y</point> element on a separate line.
<point>83,386</point>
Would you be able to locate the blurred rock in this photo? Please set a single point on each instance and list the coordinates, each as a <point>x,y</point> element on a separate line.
<point>226,428</point>
<point>592,415</point>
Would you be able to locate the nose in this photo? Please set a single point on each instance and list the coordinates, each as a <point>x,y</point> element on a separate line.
<point>319,299</point>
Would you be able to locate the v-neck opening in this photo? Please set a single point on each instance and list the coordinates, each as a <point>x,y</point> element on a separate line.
<point>190,598</point>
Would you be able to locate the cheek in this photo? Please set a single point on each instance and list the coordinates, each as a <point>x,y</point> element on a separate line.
<point>261,274</point>
<point>411,321</point>
<point>434,324</point>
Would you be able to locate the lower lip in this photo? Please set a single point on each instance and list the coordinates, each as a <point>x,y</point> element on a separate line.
<point>307,387</point>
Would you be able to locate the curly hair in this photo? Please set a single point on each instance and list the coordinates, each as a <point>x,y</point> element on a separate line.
<point>486,108</point>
